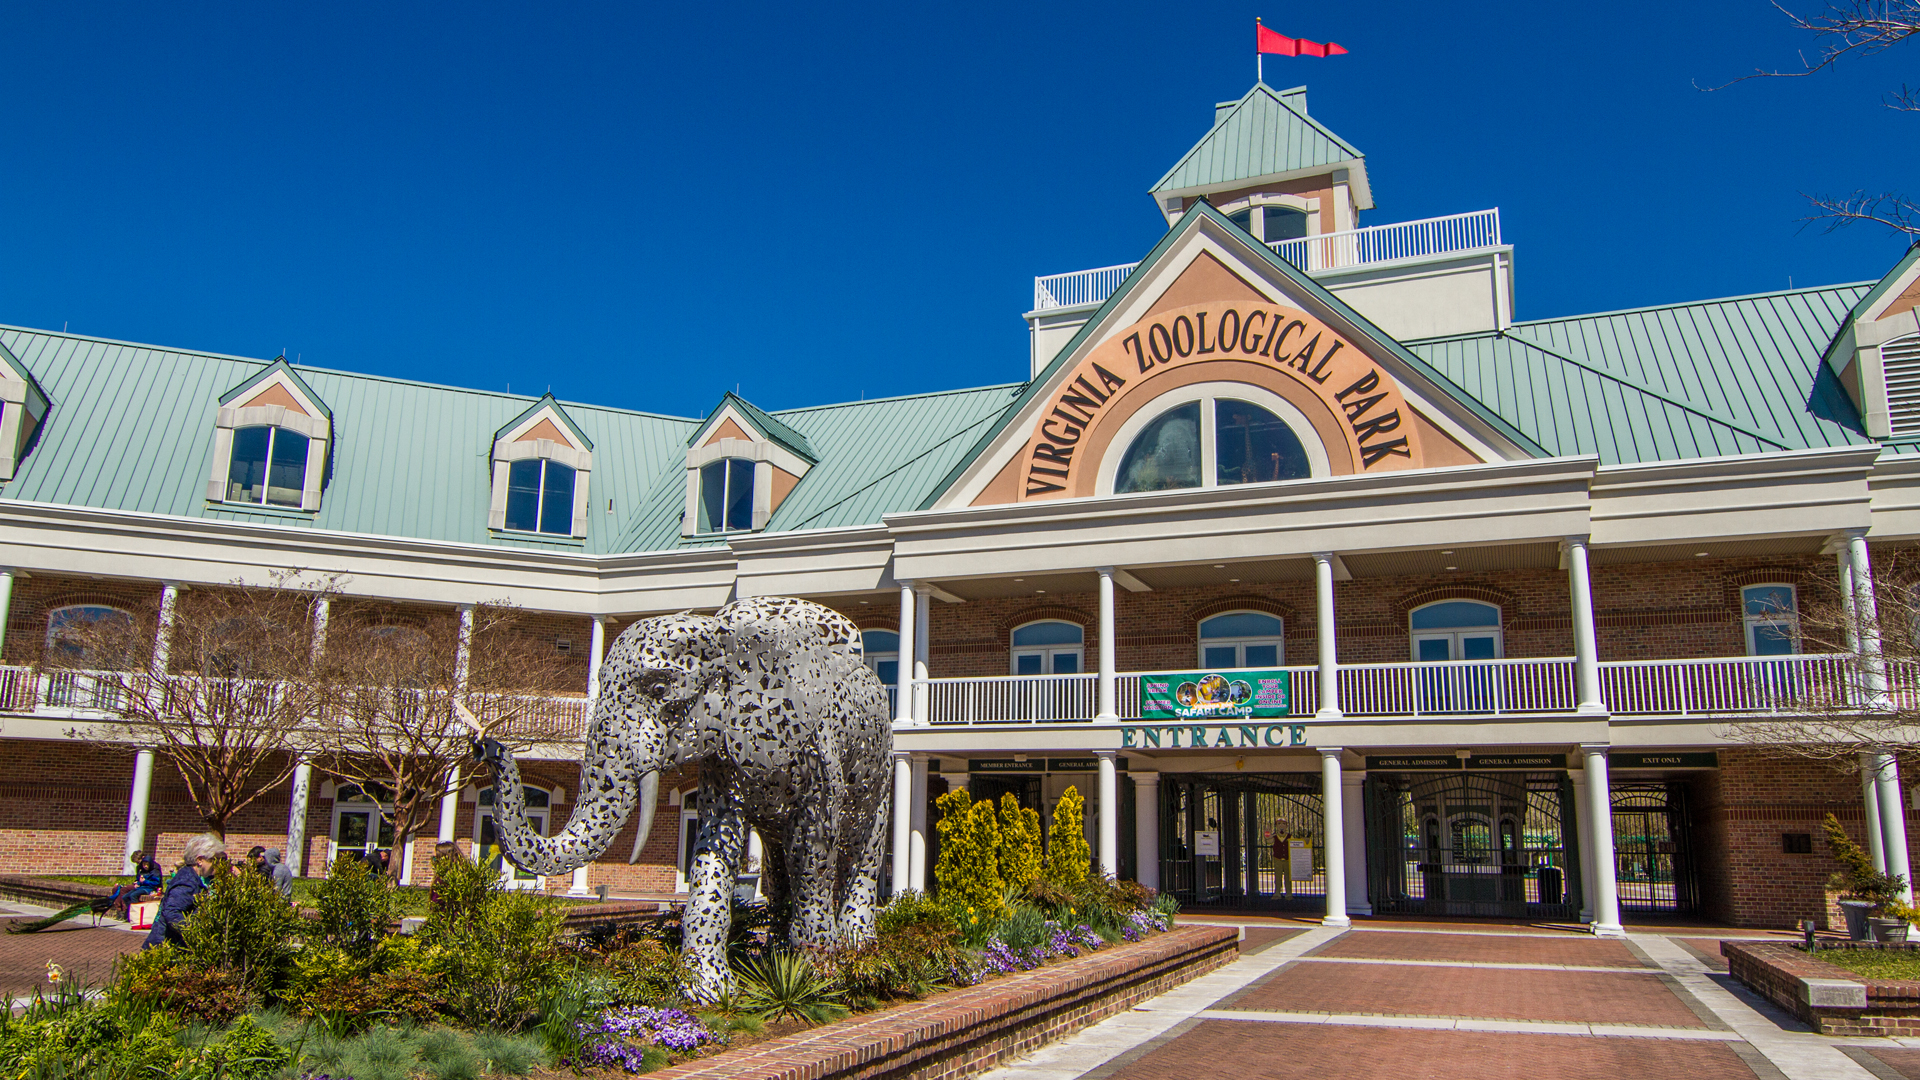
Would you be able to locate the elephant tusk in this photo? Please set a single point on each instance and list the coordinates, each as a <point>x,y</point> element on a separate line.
<point>649,797</point>
<point>465,716</point>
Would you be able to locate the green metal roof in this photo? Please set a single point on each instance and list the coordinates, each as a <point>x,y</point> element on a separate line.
<point>1262,134</point>
<point>559,412</point>
<point>1735,376</point>
<point>759,418</point>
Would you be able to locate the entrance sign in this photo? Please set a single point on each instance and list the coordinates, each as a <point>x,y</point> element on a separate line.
<point>1210,695</point>
<point>1430,761</point>
<point>1706,759</point>
<point>1299,860</point>
<point>1211,736</point>
<point>1517,761</point>
<point>1036,765</point>
<point>1206,842</point>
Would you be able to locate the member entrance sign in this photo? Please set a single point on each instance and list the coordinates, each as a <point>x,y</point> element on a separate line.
<point>1210,695</point>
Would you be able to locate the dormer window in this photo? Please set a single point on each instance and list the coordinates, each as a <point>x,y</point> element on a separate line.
<point>270,442</point>
<point>726,495</point>
<point>541,464</point>
<point>540,496</point>
<point>269,466</point>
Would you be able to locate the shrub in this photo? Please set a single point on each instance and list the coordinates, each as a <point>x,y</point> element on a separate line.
<point>74,1037</point>
<point>159,980</point>
<point>246,1052</point>
<point>354,907</point>
<point>1020,857</point>
<point>1068,855</point>
<point>1858,878</point>
<point>448,1056</point>
<point>969,869</point>
<point>506,1053</point>
<point>787,986</point>
<point>912,910</point>
<point>647,973</point>
<point>904,963</point>
<point>497,958</point>
<point>241,927</point>
<point>348,993</point>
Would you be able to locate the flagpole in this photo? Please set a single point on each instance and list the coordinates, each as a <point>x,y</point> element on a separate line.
<point>1259,58</point>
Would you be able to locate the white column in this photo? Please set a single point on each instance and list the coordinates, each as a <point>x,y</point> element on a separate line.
<point>1352,803</point>
<point>1333,825</point>
<point>322,613</point>
<point>297,802</point>
<point>1583,828</point>
<point>903,706</point>
<point>1876,844</point>
<point>450,806</point>
<point>580,885</point>
<point>137,806</point>
<point>1844,557</point>
<point>922,645</point>
<point>163,634</point>
<point>902,816</point>
<point>596,644</point>
<point>6,603</point>
<point>1109,813</point>
<point>1893,821</point>
<point>917,827</point>
<point>406,862</point>
<point>1586,649</point>
<point>1873,669</point>
<point>1606,892</point>
<point>463,648</point>
<point>1109,708</point>
<point>1329,656</point>
<point>1146,828</point>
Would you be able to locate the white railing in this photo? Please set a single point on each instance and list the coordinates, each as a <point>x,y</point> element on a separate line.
<point>1458,688</point>
<point>1079,287</point>
<point>1729,685</point>
<point>1428,237</point>
<point>1722,686</point>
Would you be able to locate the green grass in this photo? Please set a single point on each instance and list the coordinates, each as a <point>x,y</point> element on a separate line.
<point>1875,963</point>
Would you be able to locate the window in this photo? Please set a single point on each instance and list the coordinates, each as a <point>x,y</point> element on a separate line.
<point>1216,441</point>
<point>1047,648</point>
<point>726,495</point>
<point>83,633</point>
<point>881,650</point>
<point>269,466</point>
<point>1242,639</point>
<point>540,496</point>
<point>360,824</point>
<point>1271,223</point>
<point>487,841</point>
<point>1456,630</point>
<point>1772,628</point>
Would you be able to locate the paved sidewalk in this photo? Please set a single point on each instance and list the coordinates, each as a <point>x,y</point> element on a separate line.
<point>1397,1000</point>
<point>85,953</point>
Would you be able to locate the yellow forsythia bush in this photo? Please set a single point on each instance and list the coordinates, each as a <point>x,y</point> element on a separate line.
<point>1068,855</point>
<point>1020,858</point>
<point>969,868</point>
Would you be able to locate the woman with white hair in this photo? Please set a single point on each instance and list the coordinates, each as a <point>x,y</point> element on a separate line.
<point>183,892</point>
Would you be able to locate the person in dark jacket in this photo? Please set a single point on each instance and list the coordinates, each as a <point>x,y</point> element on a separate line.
<point>147,879</point>
<point>183,892</point>
<point>277,872</point>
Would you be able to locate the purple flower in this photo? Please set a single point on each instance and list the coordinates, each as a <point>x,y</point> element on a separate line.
<point>620,1037</point>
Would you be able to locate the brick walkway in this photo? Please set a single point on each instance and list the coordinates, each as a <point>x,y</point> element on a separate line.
<point>85,954</point>
<point>1399,1001</point>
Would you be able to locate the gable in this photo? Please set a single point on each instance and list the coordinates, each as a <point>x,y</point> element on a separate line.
<point>727,429</point>
<point>545,429</point>
<point>1211,317</point>
<point>543,421</point>
<point>275,394</point>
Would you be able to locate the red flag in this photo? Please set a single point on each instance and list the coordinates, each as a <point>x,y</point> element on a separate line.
<point>1266,41</point>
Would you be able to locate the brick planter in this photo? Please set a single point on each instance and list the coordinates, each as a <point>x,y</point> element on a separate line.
<point>968,1031</point>
<point>1830,999</point>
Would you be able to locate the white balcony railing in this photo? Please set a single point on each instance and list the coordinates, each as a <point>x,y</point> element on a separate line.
<point>1454,234</point>
<point>1712,687</point>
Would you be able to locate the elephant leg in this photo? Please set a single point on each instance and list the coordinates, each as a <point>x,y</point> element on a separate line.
<point>813,870</point>
<point>862,886</point>
<point>709,916</point>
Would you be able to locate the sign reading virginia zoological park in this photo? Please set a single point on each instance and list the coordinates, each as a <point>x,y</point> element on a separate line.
<point>1355,409</point>
<point>1208,695</point>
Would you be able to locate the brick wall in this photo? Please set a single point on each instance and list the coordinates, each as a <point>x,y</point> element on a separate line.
<point>36,595</point>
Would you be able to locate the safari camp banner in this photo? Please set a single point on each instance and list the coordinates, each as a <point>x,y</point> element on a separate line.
<point>1222,695</point>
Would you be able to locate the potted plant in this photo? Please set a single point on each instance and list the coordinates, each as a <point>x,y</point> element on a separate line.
<point>1867,892</point>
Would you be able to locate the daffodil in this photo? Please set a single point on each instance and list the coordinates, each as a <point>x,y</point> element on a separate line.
<point>54,974</point>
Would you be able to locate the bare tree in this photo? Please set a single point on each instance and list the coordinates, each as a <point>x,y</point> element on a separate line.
<point>1856,28</point>
<point>386,718</point>
<point>223,703</point>
<point>1837,714</point>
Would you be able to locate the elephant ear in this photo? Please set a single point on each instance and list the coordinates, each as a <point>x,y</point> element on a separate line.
<point>792,624</point>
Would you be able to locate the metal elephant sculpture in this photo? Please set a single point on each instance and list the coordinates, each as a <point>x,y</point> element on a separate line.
<point>790,730</point>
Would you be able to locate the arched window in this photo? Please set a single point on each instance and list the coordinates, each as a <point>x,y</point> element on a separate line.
<point>1456,630</point>
<point>88,635</point>
<point>1773,628</point>
<point>1051,647</point>
<point>881,650</point>
<point>486,839</point>
<point>726,495</point>
<point>540,496</point>
<point>1271,223</point>
<point>268,466</point>
<point>1242,639</point>
<point>1216,435</point>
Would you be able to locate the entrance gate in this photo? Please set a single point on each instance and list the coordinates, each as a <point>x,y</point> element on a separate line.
<point>1655,868</point>
<point>1491,844</point>
<point>1243,840</point>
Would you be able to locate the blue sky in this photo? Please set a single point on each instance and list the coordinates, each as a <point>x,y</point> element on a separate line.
<point>646,205</point>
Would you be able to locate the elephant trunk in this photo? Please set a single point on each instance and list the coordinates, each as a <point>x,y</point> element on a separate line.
<point>608,786</point>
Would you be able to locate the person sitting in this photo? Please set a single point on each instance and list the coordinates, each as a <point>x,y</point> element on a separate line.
<point>183,892</point>
<point>277,872</point>
<point>257,861</point>
<point>147,876</point>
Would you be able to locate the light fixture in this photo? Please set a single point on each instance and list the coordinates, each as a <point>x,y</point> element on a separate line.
<point>866,601</point>
<point>1039,590</point>
<point>1233,579</point>
<point>1446,553</point>
<point>1019,579</point>
<point>1220,566</point>
<point>1701,554</point>
<point>1453,568</point>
